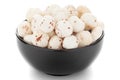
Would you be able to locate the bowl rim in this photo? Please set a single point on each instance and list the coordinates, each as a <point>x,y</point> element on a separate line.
<point>92,44</point>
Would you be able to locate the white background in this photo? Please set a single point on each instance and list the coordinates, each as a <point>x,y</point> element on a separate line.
<point>14,67</point>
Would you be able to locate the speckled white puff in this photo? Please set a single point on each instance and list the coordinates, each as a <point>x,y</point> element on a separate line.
<point>28,39</point>
<point>40,39</point>
<point>70,42</point>
<point>100,24</point>
<point>52,9</point>
<point>45,24</point>
<point>96,33</point>
<point>55,43</point>
<point>61,14</point>
<point>36,23</point>
<point>84,38</point>
<point>63,29</point>
<point>77,24</point>
<point>89,20</point>
<point>31,12</point>
<point>81,10</point>
<point>72,11</point>
<point>24,29</point>
<point>48,24</point>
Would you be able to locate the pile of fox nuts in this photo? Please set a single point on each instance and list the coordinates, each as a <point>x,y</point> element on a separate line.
<point>60,28</point>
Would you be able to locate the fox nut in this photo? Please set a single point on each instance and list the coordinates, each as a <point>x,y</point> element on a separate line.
<point>89,20</point>
<point>63,29</point>
<point>84,38</point>
<point>55,43</point>
<point>81,10</point>
<point>78,24</point>
<point>31,12</point>
<point>40,40</point>
<point>24,29</point>
<point>70,42</point>
<point>96,33</point>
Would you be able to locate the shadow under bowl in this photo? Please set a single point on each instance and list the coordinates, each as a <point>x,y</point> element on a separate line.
<point>60,62</point>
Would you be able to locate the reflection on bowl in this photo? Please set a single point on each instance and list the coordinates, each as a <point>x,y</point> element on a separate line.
<point>59,62</point>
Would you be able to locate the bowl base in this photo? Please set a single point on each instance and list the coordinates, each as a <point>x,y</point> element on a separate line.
<point>58,74</point>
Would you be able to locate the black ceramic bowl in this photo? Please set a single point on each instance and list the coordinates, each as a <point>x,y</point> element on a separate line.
<point>59,62</point>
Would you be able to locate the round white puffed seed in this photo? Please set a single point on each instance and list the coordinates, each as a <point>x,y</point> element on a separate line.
<point>100,24</point>
<point>96,33</point>
<point>70,42</point>
<point>82,9</point>
<point>45,24</point>
<point>31,12</point>
<point>89,20</point>
<point>28,39</point>
<point>36,23</point>
<point>24,29</point>
<point>77,24</point>
<point>61,14</point>
<point>48,24</point>
<point>40,40</point>
<point>84,38</point>
<point>63,29</point>
<point>55,43</point>
<point>71,10</point>
<point>52,10</point>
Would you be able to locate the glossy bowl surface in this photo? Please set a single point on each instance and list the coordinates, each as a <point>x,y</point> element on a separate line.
<point>59,62</point>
